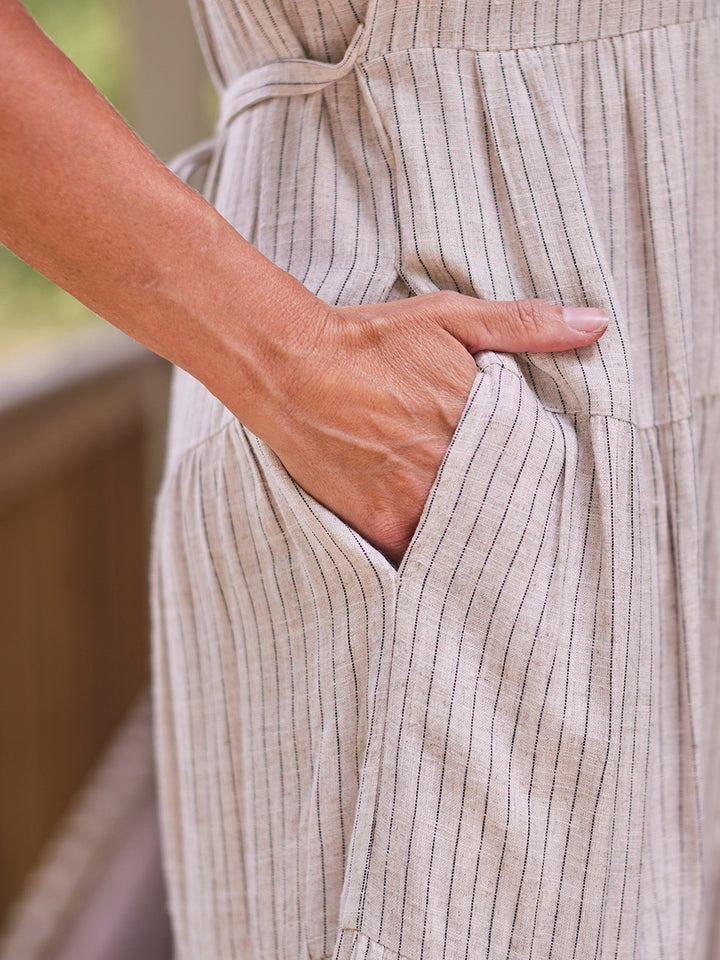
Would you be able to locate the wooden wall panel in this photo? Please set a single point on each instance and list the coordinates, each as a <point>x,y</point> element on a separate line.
<point>76,462</point>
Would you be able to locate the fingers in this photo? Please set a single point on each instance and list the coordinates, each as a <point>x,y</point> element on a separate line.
<point>514,326</point>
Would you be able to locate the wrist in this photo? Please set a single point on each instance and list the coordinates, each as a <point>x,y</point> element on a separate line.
<point>240,325</point>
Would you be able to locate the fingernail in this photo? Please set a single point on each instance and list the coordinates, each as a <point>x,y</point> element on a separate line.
<point>585,319</point>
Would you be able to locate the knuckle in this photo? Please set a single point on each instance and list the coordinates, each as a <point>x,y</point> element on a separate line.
<point>531,315</point>
<point>443,299</point>
<point>453,300</point>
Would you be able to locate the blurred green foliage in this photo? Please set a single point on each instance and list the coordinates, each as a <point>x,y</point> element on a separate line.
<point>93,34</point>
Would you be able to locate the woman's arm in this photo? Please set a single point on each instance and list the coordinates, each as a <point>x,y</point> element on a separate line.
<point>343,395</point>
<point>85,202</point>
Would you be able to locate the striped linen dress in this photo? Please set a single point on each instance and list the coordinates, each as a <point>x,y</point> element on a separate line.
<point>509,746</point>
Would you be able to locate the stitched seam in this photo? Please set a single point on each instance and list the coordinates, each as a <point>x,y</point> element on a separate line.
<point>557,44</point>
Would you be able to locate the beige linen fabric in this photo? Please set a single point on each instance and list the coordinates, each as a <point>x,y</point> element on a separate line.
<point>507,747</point>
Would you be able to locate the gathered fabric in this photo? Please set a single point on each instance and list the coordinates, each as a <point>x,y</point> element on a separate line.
<point>509,745</point>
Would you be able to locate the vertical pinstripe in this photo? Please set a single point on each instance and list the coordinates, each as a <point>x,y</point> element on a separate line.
<point>507,747</point>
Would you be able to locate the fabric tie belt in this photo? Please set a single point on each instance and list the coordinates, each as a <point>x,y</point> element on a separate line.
<point>279,78</point>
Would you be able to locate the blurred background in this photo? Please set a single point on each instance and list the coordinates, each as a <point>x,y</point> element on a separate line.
<point>82,413</point>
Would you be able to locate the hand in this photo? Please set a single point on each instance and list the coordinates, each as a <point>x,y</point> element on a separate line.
<point>376,397</point>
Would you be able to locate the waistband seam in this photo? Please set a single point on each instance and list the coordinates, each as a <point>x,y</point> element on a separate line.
<point>537,46</point>
<point>280,79</point>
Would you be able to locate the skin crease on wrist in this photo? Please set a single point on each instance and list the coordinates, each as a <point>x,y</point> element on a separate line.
<point>346,396</point>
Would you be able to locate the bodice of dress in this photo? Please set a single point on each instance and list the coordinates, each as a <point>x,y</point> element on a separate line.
<point>239,36</point>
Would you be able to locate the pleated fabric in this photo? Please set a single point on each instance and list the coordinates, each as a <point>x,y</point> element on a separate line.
<point>508,746</point>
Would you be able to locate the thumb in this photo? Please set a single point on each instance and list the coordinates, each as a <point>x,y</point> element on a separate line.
<point>515,326</point>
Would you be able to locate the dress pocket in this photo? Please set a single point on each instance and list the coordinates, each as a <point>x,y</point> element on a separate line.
<point>497,405</point>
<point>519,621</point>
<point>491,448</point>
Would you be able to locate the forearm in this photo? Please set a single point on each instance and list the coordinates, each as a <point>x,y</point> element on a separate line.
<point>85,202</point>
